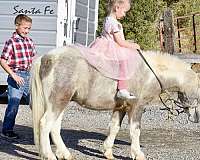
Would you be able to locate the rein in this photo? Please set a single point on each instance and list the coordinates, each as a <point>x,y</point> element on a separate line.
<point>178,105</point>
<point>161,86</point>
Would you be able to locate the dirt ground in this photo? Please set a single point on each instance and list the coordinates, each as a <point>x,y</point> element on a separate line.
<point>84,130</point>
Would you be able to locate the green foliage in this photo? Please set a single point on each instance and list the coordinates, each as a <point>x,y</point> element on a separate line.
<point>170,2</point>
<point>185,7</point>
<point>102,15</point>
<point>141,22</point>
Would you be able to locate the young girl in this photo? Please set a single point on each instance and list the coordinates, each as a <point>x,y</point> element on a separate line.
<point>111,54</point>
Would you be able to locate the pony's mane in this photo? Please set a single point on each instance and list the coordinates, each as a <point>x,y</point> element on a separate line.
<point>171,67</point>
<point>158,58</point>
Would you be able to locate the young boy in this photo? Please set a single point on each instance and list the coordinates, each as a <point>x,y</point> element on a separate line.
<point>16,60</point>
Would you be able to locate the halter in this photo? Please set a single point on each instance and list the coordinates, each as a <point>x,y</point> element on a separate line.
<point>173,106</point>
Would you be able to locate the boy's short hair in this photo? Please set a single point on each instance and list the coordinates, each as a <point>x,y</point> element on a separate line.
<point>22,17</point>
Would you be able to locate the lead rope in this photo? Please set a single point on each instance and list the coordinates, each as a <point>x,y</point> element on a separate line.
<point>161,86</point>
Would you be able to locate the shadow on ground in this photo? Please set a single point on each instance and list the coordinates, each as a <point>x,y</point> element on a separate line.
<point>70,137</point>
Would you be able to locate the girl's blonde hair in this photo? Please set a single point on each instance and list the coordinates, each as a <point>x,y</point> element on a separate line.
<point>113,3</point>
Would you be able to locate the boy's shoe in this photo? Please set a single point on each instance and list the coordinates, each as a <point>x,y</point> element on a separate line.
<point>10,135</point>
<point>124,94</point>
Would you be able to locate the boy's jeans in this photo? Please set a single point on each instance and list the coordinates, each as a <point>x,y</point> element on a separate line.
<point>15,93</point>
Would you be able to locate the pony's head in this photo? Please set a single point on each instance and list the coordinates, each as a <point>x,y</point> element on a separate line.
<point>174,72</point>
<point>193,114</point>
<point>194,110</point>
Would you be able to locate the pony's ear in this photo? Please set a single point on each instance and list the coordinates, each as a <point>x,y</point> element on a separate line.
<point>196,67</point>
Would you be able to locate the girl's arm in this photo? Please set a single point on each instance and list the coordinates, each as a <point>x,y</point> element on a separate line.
<point>123,43</point>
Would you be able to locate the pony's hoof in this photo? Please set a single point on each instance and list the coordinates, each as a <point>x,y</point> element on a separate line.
<point>66,156</point>
<point>108,154</point>
<point>140,157</point>
<point>52,157</point>
<point>71,158</point>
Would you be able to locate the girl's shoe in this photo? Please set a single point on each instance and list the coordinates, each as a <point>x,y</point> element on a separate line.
<point>124,94</point>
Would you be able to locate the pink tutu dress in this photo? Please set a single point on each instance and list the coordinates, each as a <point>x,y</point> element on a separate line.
<point>108,57</point>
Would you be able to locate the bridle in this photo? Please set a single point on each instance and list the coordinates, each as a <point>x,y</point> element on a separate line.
<point>173,106</point>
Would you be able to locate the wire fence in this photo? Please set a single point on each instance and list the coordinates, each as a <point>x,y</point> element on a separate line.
<point>187,33</point>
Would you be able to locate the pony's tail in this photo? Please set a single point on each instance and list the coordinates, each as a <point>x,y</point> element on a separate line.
<point>37,100</point>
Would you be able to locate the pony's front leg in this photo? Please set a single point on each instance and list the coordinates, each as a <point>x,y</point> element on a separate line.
<point>115,125</point>
<point>45,127</point>
<point>134,120</point>
<point>61,151</point>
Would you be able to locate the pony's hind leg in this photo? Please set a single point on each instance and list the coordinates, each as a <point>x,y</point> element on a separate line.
<point>46,124</point>
<point>115,125</point>
<point>61,151</point>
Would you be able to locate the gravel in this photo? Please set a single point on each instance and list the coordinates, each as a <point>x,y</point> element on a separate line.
<point>84,130</point>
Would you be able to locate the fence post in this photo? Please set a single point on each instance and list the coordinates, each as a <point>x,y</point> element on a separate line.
<point>194,33</point>
<point>161,34</point>
<point>168,31</point>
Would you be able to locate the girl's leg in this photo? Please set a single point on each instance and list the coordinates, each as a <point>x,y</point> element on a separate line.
<point>122,87</point>
<point>122,83</point>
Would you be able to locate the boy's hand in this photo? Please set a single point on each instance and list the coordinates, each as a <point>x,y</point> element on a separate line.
<point>18,79</point>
